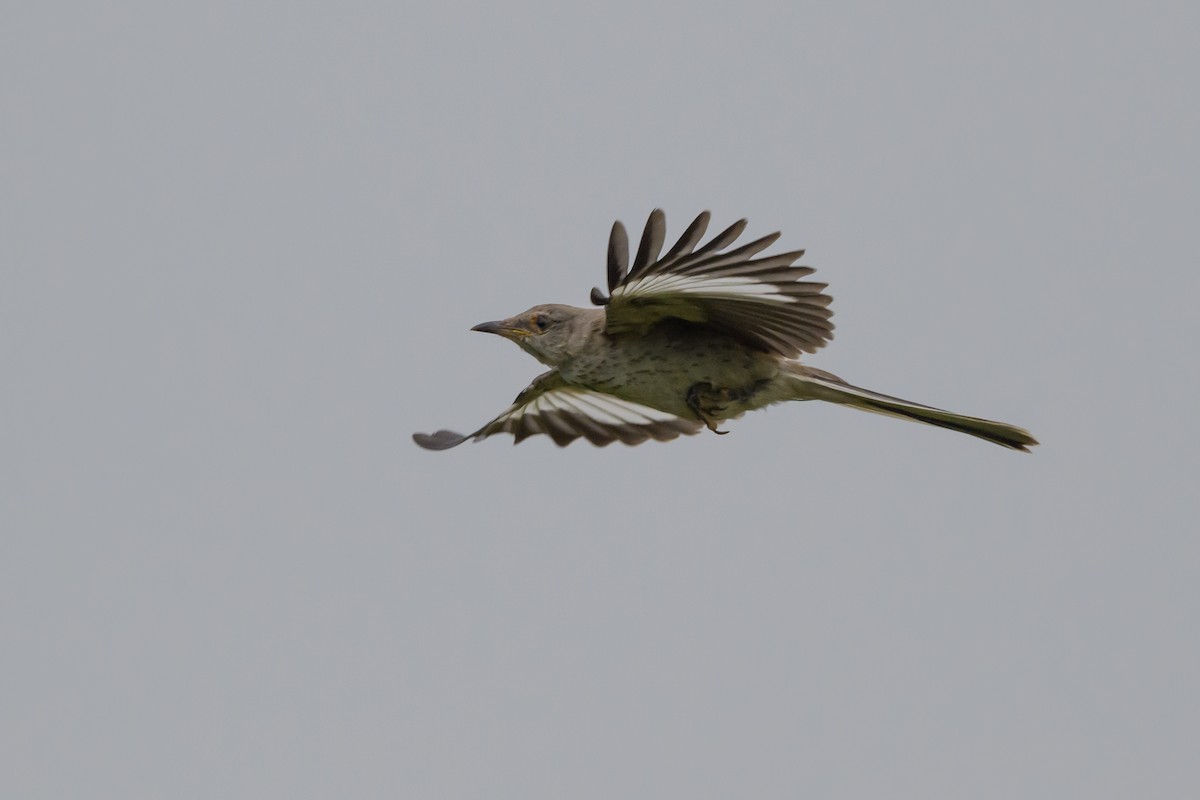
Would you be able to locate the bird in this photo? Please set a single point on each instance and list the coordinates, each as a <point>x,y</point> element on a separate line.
<point>686,341</point>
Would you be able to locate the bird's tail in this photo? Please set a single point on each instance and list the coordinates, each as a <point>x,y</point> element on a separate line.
<point>815,384</point>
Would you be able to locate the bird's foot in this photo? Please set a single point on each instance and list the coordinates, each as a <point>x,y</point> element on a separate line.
<point>705,401</point>
<point>711,405</point>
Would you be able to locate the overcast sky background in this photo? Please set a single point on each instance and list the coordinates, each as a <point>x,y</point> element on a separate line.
<point>242,247</point>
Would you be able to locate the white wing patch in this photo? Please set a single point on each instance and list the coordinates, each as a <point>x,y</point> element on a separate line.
<point>602,409</point>
<point>699,285</point>
<point>606,408</point>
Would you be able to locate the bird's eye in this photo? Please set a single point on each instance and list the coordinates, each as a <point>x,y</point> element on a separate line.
<point>541,321</point>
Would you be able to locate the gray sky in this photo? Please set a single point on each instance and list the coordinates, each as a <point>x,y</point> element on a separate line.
<point>243,245</point>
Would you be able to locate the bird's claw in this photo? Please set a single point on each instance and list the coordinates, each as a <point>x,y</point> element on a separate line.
<point>700,400</point>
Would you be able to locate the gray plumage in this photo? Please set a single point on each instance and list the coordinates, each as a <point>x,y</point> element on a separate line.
<point>686,341</point>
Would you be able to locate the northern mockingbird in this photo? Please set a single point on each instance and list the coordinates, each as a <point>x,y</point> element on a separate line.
<point>682,342</point>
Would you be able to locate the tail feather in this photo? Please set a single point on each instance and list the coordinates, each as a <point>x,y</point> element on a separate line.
<point>814,384</point>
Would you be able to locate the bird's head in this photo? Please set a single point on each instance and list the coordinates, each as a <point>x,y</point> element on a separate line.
<point>546,332</point>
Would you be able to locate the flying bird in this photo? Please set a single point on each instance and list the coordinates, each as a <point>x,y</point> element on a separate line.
<point>686,341</point>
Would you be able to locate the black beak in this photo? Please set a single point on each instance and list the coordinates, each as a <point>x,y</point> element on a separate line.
<point>511,329</point>
<point>497,327</point>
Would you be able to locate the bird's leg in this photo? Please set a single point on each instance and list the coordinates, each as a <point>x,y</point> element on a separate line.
<point>703,398</point>
<point>708,402</point>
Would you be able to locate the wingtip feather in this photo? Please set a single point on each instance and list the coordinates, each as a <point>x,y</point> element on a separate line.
<point>618,255</point>
<point>439,440</point>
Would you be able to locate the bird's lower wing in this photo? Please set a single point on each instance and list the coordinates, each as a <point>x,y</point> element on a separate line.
<point>566,413</point>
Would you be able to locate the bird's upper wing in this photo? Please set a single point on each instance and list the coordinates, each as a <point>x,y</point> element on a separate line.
<point>565,413</point>
<point>760,301</point>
